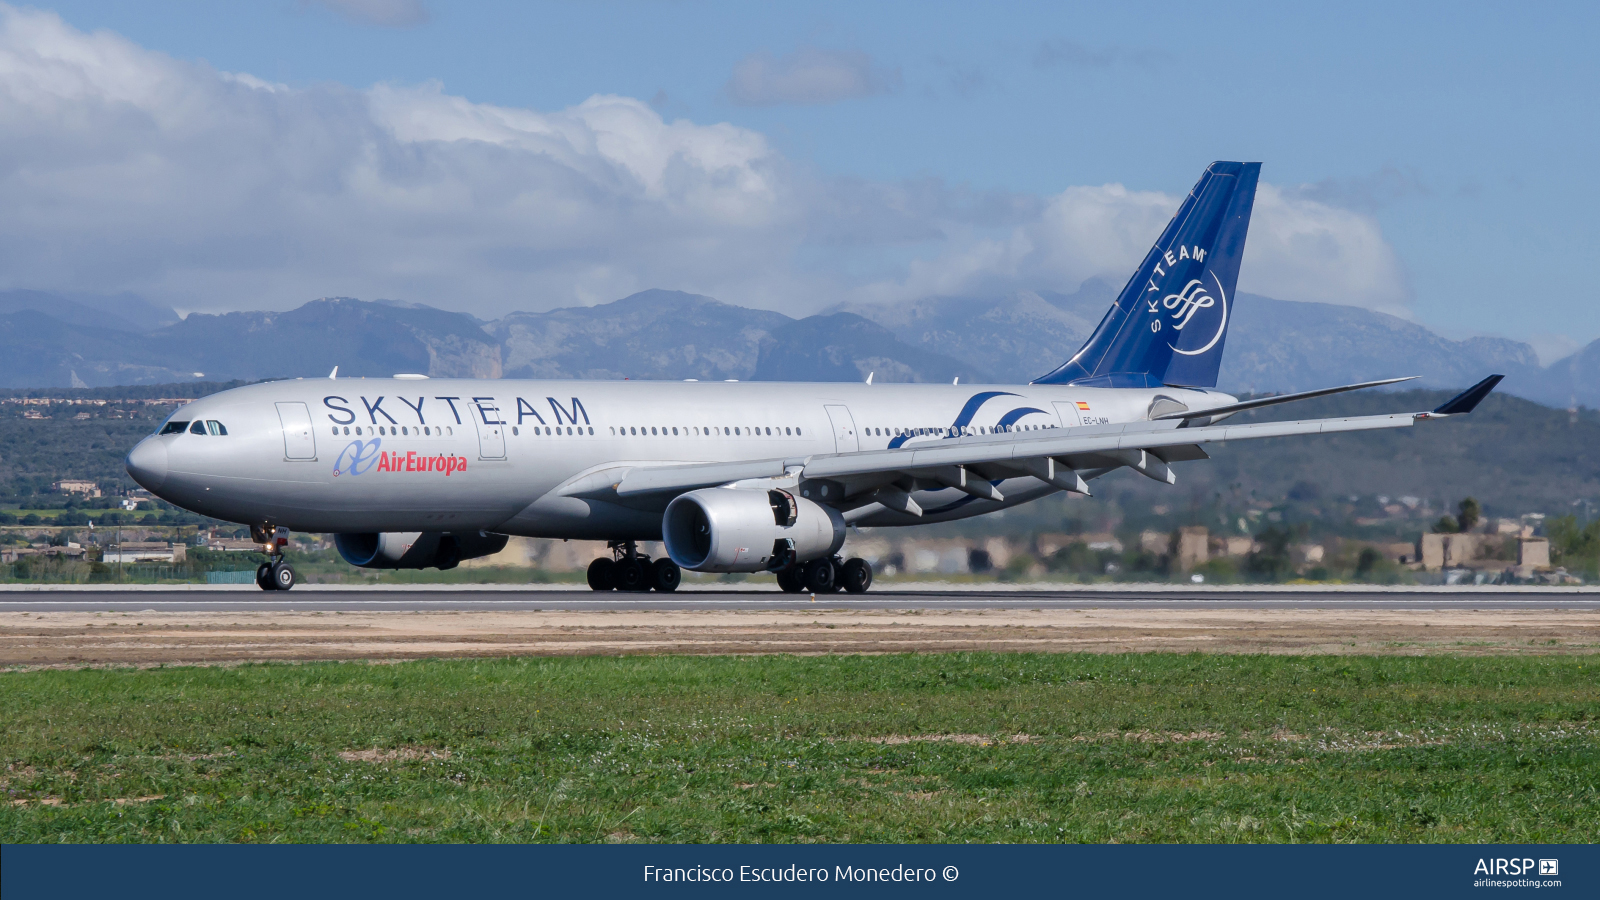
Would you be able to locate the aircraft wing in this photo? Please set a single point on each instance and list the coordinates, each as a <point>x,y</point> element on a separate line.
<point>973,464</point>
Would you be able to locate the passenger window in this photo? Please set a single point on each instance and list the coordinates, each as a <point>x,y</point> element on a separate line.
<point>215,427</point>
<point>674,431</point>
<point>174,428</point>
<point>198,427</point>
<point>797,432</point>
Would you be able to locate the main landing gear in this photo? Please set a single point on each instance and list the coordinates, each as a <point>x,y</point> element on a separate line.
<point>826,575</point>
<point>628,570</point>
<point>275,574</point>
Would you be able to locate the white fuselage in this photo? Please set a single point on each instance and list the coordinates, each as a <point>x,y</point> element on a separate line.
<point>412,454</point>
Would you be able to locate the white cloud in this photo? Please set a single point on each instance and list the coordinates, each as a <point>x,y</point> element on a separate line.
<point>383,13</point>
<point>1300,249</point>
<point>124,169</point>
<point>808,76</point>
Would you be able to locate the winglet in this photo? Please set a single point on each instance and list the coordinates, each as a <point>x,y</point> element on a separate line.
<point>1468,400</point>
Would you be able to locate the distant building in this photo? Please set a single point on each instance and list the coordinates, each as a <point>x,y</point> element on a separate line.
<point>1238,546</point>
<point>12,554</point>
<point>1308,554</point>
<point>1193,547</point>
<point>145,551</point>
<point>228,545</point>
<point>87,488</point>
<point>1157,542</point>
<point>1533,553</point>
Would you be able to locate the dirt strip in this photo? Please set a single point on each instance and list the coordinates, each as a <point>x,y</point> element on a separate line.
<point>72,639</point>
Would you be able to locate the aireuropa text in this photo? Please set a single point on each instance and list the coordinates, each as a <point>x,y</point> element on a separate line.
<point>792,873</point>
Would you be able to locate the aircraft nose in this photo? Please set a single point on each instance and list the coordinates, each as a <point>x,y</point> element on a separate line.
<point>147,463</point>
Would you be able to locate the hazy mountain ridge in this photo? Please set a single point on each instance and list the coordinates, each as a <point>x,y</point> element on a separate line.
<point>651,334</point>
<point>1273,345</point>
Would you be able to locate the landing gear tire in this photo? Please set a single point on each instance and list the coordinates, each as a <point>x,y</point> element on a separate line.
<point>818,576</point>
<point>282,576</point>
<point>633,574</point>
<point>789,581</point>
<point>856,576</point>
<point>665,576</point>
<point>602,575</point>
<point>264,577</point>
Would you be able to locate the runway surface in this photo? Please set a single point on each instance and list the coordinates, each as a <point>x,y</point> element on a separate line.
<point>457,600</point>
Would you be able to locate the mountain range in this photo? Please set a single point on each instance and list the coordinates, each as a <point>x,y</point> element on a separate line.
<point>56,340</point>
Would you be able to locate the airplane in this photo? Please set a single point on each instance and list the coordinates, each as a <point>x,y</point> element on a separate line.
<point>413,472</point>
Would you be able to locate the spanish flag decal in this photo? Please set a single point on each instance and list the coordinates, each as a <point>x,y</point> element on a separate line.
<point>1083,406</point>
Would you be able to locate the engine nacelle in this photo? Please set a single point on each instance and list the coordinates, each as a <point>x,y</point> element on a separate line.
<point>742,530</point>
<point>416,549</point>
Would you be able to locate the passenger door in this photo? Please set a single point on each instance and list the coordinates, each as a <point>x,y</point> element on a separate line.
<point>298,440</point>
<point>844,429</point>
<point>491,437</point>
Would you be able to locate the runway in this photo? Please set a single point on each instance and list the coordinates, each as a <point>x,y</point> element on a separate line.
<point>188,626</point>
<point>450,599</point>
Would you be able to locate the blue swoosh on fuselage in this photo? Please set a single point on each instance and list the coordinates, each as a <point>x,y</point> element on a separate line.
<point>963,418</point>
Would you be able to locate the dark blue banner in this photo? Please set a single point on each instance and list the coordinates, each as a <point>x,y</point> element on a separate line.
<point>303,871</point>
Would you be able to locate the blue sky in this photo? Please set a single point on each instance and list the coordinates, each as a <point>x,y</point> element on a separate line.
<point>1465,133</point>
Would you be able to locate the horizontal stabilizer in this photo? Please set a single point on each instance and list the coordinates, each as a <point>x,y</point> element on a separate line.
<point>1232,408</point>
<point>1468,400</point>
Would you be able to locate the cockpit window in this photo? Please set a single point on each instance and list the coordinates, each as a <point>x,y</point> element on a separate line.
<point>198,427</point>
<point>174,428</point>
<point>215,427</point>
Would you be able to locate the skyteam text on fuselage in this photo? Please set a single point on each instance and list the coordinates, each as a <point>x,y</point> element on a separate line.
<point>413,472</point>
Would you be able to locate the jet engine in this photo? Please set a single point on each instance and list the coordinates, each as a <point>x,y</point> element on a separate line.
<point>416,549</point>
<point>741,530</point>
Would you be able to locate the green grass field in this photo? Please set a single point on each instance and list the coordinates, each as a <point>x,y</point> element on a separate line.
<point>1033,748</point>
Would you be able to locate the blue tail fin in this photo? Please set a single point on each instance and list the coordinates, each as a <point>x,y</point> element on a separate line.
<point>1170,322</point>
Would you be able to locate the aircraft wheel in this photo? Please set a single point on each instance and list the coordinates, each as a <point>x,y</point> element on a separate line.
<point>632,575</point>
<point>818,576</point>
<point>602,575</point>
<point>789,581</point>
<point>282,576</point>
<point>264,577</point>
<point>856,576</point>
<point>665,576</point>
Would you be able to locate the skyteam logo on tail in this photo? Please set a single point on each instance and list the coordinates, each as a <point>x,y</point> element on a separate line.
<point>1191,300</point>
<point>1184,303</point>
<point>1174,311</point>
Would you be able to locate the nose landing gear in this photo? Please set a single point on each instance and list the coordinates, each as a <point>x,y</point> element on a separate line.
<point>275,574</point>
<point>629,570</point>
